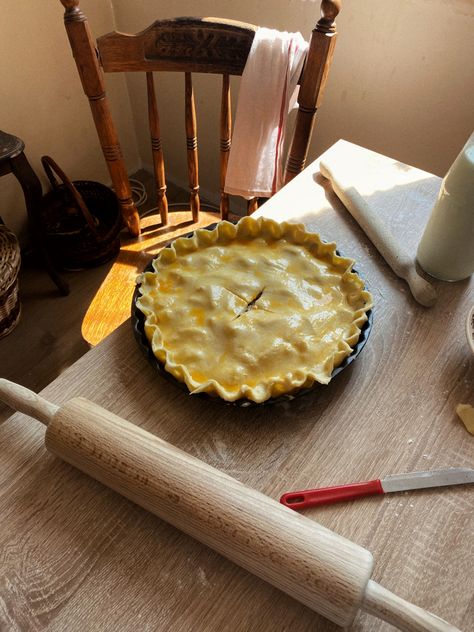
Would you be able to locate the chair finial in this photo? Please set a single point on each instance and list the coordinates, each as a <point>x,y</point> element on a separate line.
<point>329,11</point>
<point>72,13</point>
<point>69,5</point>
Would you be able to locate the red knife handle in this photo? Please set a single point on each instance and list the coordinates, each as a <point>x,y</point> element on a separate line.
<point>328,495</point>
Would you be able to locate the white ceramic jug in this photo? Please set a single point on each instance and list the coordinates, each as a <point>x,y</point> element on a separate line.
<point>446,249</point>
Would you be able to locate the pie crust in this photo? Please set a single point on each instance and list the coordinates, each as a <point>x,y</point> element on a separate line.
<point>252,310</point>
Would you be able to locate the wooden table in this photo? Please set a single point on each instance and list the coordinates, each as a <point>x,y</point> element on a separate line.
<point>76,556</point>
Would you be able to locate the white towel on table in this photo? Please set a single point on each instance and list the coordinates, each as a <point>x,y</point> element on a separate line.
<point>267,93</point>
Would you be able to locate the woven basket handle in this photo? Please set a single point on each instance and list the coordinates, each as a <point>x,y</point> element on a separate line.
<point>52,168</point>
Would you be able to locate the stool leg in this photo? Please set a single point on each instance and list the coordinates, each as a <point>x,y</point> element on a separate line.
<point>33,193</point>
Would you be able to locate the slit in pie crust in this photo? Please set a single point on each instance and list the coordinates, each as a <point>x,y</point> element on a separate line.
<point>252,310</point>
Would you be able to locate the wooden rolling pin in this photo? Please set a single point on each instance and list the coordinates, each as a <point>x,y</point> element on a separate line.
<point>391,249</point>
<point>319,568</point>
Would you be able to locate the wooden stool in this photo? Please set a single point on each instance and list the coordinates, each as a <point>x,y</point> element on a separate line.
<point>13,160</point>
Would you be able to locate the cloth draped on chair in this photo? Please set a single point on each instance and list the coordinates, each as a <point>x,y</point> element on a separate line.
<point>268,91</point>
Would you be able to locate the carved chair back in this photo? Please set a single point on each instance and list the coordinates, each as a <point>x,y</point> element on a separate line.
<point>188,45</point>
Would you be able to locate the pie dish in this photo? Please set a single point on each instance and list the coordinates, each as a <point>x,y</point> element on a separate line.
<point>251,311</point>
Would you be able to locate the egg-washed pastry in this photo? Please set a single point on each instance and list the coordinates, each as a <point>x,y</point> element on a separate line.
<point>252,310</point>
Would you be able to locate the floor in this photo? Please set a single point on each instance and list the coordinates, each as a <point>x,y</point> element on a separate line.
<point>48,337</point>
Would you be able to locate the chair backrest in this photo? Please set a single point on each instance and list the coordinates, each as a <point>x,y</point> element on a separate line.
<point>189,45</point>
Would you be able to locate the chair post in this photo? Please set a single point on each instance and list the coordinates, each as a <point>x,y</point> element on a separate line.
<point>92,79</point>
<point>314,76</point>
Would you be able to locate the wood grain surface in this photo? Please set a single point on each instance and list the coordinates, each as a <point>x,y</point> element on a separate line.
<point>75,555</point>
<point>312,564</point>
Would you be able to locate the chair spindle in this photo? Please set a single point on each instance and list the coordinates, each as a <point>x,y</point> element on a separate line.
<point>191,144</point>
<point>226,132</point>
<point>158,161</point>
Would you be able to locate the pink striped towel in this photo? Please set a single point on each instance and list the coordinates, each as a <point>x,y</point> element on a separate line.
<point>268,91</point>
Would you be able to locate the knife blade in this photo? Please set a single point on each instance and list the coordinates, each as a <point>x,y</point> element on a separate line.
<point>388,484</point>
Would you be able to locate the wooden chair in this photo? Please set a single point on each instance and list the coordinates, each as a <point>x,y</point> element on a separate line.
<point>187,45</point>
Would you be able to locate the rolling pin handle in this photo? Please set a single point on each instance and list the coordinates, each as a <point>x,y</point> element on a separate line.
<point>402,614</point>
<point>25,401</point>
<point>422,290</point>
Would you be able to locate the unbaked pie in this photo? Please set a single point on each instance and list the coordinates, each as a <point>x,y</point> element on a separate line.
<point>252,310</point>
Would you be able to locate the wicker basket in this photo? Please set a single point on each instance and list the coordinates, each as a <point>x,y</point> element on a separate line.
<point>10,259</point>
<point>81,220</point>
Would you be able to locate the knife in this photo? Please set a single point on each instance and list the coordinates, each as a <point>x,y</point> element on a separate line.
<point>393,483</point>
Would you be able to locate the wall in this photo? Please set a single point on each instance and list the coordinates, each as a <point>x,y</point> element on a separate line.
<point>401,82</point>
<point>42,100</point>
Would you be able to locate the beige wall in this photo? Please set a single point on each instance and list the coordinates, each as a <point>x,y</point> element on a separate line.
<point>402,83</point>
<point>402,80</point>
<point>42,100</point>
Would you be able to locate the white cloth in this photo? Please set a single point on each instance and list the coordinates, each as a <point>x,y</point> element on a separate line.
<point>267,93</point>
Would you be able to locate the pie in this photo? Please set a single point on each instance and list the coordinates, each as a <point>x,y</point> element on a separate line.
<point>252,310</point>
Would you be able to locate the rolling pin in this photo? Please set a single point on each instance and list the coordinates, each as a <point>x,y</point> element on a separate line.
<point>391,249</point>
<point>319,568</point>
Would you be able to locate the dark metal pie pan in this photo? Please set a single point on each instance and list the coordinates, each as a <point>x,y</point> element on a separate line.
<point>138,324</point>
